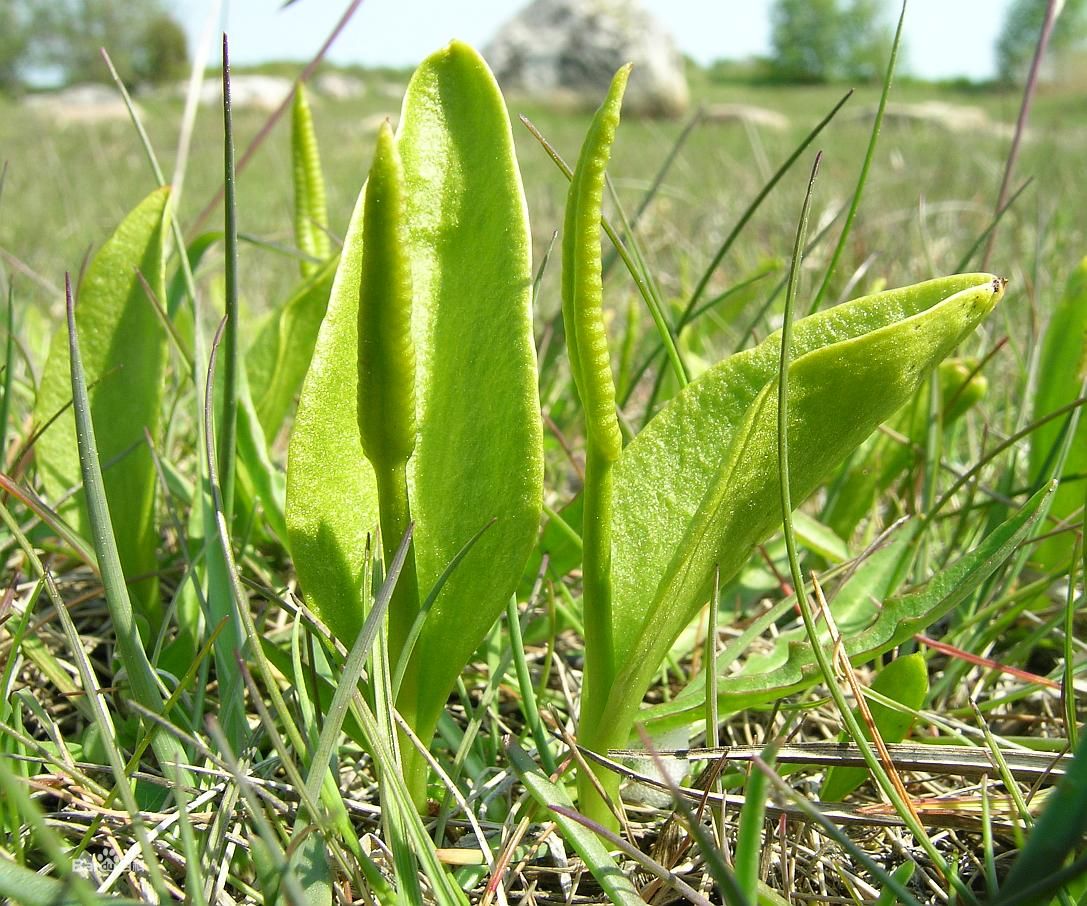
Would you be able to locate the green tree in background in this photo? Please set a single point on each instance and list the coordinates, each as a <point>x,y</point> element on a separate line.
<point>14,40</point>
<point>143,40</point>
<point>1019,36</point>
<point>163,54</point>
<point>828,40</point>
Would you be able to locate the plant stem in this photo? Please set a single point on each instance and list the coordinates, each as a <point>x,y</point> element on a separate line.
<point>599,659</point>
<point>395,516</point>
<point>392,495</point>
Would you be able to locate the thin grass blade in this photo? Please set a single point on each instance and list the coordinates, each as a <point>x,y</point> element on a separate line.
<point>612,879</point>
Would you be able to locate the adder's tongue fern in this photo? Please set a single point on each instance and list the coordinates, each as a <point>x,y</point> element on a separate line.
<point>386,397</point>
<point>310,204</point>
<point>590,362</point>
<point>582,289</point>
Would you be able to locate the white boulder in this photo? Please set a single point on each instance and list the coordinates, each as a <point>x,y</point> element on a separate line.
<point>570,49</point>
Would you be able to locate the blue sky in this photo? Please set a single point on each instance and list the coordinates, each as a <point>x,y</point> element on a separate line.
<point>943,37</point>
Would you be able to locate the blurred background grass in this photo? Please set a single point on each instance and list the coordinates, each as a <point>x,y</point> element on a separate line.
<point>931,191</point>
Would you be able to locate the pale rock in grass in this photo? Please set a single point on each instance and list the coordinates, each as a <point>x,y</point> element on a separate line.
<point>568,50</point>
<point>338,86</point>
<point>260,92</point>
<point>952,117</point>
<point>86,104</point>
<point>747,115</point>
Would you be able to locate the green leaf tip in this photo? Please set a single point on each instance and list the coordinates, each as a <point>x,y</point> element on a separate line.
<point>582,285</point>
<point>386,398</point>
<point>125,356</point>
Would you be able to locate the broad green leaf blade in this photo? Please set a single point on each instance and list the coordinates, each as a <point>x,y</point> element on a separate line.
<point>615,884</point>
<point>259,479</point>
<point>478,453</point>
<point>177,290</point>
<point>697,489</point>
<point>278,358</point>
<point>124,355</point>
<point>905,680</point>
<point>819,538</point>
<point>1061,375</point>
<point>478,456</point>
<point>309,862</point>
<point>883,460</point>
<point>897,620</point>
<point>331,491</point>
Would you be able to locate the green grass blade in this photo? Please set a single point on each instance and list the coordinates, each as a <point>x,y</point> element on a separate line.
<point>748,853</point>
<point>145,687</point>
<point>134,116</point>
<point>228,423</point>
<point>1068,694</point>
<point>964,262</point>
<point>240,635</point>
<point>1056,834</point>
<point>869,155</point>
<point>398,809</point>
<point>9,371</point>
<point>528,691</point>
<point>283,871</point>
<point>103,720</point>
<point>612,880</point>
<point>656,308</point>
<point>658,180</point>
<point>22,884</point>
<point>751,209</point>
<point>352,671</point>
<point>416,629</point>
<point>225,603</point>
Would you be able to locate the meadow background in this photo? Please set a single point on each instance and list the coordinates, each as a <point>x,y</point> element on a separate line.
<point>932,190</point>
